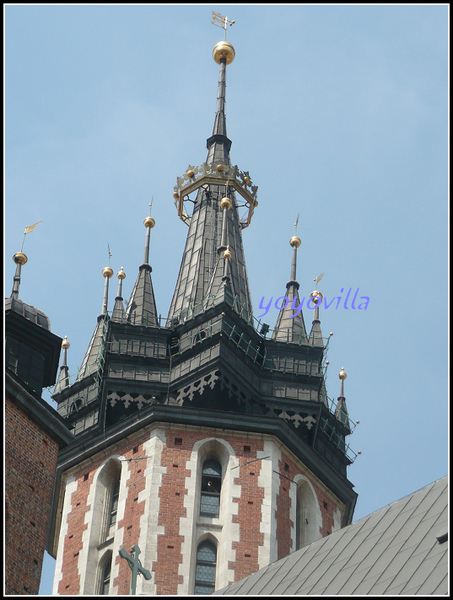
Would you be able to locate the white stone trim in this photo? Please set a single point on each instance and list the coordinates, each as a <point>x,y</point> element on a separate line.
<point>70,486</point>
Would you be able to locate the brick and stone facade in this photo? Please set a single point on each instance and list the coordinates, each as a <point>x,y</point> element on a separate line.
<point>33,437</point>
<point>159,510</point>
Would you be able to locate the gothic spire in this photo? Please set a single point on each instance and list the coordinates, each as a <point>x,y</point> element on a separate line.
<point>119,313</point>
<point>20,259</point>
<point>290,326</point>
<point>63,376</point>
<point>141,308</point>
<point>341,410</point>
<point>209,224</point>
<point>91,360</point>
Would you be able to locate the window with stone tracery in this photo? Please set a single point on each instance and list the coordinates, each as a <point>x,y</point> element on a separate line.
<point>211,483</point>
<point>205,568</point>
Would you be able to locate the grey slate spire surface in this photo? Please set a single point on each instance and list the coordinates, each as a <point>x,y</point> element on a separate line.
<point>63,376</point>
<point>201,273</point>
<point>90,361</point>
<point>141,308</point>
<point>290,326</point>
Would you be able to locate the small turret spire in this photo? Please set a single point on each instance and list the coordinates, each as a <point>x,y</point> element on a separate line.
<point>118,310</point>
<point>341,410</point>
<point>20,259</point>
<point>63,376</point>
<point>141,308</point>
<point>107,272</point>
<point>316,333</point>
<point>290,326</point>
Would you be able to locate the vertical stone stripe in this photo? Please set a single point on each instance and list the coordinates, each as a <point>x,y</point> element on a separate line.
<point>133,510</point>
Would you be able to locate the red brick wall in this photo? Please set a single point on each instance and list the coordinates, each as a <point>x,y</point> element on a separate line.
<point>171,494</point>
<point>249,508</point>
<point>30,463</point>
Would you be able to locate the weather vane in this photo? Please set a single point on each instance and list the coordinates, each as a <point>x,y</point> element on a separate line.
<point>28,230</point>
<point>295,225</point>
<point>220,21</point>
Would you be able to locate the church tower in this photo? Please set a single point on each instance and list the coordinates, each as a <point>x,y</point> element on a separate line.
<point>205,443</point>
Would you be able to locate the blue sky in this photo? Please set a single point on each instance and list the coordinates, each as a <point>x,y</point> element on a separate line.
<point>339,112</point>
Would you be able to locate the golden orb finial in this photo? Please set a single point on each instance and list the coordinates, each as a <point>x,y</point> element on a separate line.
<point>225,203</point>
<point>295,241</point>
<point>227,253</point>
<point>223,50</point>
<point>65,344</point>
<point>121,274</point>
<point>342,375</point>
<point>20,258</point>
<point>107,272</point>
<point>149,222</point>
<point>317,297</point>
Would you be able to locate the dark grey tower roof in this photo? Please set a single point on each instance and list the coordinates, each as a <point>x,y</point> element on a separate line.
<point>202,266</point>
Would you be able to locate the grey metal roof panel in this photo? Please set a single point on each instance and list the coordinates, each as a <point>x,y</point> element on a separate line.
<point>392,551</point>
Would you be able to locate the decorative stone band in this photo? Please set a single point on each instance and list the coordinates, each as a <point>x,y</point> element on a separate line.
<point>220,174</point>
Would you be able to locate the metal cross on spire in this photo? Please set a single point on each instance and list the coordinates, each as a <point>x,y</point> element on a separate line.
<point>220,21</point>
<point>135,566</point>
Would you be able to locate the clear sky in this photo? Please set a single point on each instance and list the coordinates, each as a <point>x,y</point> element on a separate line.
<point>339,112</point>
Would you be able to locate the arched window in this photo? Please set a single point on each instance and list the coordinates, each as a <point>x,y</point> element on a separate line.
<point>307,526</point>
<point>205,569</point>
<point>211,482</point>
<point>105,571</point>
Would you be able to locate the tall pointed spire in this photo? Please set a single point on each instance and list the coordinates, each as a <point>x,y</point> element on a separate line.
<point>290,326</point>
<point>141,308</point>
<point>209,223</point>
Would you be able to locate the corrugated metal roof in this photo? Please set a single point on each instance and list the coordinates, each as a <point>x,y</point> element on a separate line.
<point>394,551</point>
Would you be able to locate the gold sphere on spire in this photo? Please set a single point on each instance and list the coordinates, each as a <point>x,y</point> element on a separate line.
<point>107,272</point>
<point>227,253</point>
<point>342,375</point>
<point>317,297</point>
<point>65,344</point>
<point>295,241</point>
<point>20,258</point>
<point>225,203</point>
<point>121,274</point>
<point>223,50</point>
<point>149,222</point>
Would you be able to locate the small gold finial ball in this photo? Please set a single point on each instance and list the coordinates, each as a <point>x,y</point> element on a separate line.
<point>227,253</point>
<point>121,274</point>
<point>342,375</point>
<point>149,222</point>
<point>295,241</point>
<point>225,203</point>
<point>175,195</point>
<point>20,258</point>
<point>190,173</point>
<point>246,180</point>
<point>317,297</point>
<point>223,50</point>
<point>65,344</point>
<point>107,272</point>
<point>219,168</point>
